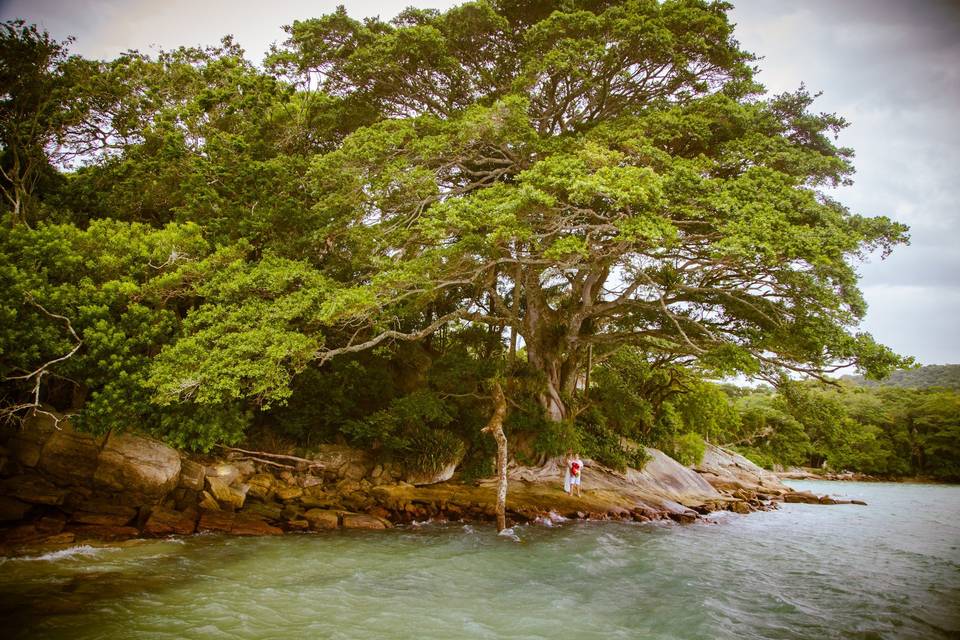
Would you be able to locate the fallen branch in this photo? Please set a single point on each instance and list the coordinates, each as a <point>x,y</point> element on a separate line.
<point>279,456</point>
<point>269,462</point>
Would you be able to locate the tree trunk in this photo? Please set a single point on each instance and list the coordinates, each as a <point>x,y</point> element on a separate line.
<point>557,378</point>
<point>495,428</point>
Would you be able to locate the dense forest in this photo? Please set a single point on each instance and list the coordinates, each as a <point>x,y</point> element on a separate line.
<point>590,205</point>
<point>933,375</point>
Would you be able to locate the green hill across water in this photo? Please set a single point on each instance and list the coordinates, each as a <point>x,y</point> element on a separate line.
<point>934,375</point>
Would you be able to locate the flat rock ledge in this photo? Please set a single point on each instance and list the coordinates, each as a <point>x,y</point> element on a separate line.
<point>59,487</point>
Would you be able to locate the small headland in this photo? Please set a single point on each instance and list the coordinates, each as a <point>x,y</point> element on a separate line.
<point>60,487</point>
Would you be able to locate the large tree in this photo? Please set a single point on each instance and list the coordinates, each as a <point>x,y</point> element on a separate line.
<point>584,175</point>
<point>587,175</point>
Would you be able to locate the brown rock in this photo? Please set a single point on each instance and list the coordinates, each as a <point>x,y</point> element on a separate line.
<point>58,539</point>
<point>246,525</point>
<point>828,500</point>
<point>164,522</point>
<point>184,499</point>
<point>105,519</point>
<point>12,509</point>
<point>215,521</point>
<point>342,461</point>
<point>316,498</point>
<point>364,521</point>
<point>268,510</point>
<point>354,472</point>
<point>98,509</point>
<point>69,456</point>
<point>292,511</point>
<point>138,465</point>
<point>310,480</point>
<point>230,497</point>
<point>804,497</point>
<point>322,519</point>
<point>208,502</point>
<point>27,443</point>
<point>244,467</point>
<point>740,507</point>
<point>21,534</point>
<point>101,532</point>
<point>261,486</point>
<point>235,523</point>
<point>227,473</point>
<point>728,471</point>
<point>51,525</point>
<point>380,512</point>
<point>684,518</point>
<point>298,525</point>
<point>287,493</point>
<point>33,489</point>
<point>191,475</point>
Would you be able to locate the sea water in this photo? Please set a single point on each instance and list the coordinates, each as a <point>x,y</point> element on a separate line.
<point>887,570</point>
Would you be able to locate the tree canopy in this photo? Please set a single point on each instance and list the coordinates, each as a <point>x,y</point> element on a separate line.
<point>533,189</point>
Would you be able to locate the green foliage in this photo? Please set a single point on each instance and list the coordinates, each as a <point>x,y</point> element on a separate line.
<point>882,431</point>
<point>687,449</point>
<point>556,438</point>
<point>335,246</point>
<point>255,331</point>
<point>768,432</point>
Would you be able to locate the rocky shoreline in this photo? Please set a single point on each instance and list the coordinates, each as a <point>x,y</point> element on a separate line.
<point>59,487</point>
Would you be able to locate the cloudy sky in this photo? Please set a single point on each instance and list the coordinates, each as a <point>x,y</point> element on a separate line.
<point>890,67</point>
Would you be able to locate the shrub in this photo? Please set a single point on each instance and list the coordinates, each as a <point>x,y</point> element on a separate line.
<point>687,449</point>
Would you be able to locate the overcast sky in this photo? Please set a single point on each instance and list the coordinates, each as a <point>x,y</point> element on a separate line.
<point>890,67</point>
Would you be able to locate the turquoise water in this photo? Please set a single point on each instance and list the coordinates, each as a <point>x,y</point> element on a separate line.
<point>887,570</point>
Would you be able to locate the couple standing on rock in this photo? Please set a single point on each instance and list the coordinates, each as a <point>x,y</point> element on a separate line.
<point>571,478</point>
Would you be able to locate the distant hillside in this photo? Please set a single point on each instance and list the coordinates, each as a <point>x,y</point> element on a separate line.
<point>934,375</point>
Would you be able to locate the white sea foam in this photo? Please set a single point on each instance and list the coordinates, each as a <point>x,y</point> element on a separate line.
<point>510,533</point>
<point>62,554</point>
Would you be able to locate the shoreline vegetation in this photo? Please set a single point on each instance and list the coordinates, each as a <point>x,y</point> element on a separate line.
<point>561,220</point>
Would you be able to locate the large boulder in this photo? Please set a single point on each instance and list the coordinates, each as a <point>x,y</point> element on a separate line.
<point>69,457</point>
<point>27,442</point>
<point>191,475</point>
<point>665,476</point>
<point>322,518</point>
<point>140,466</point>
<point>227,496</point>
<point>261,486</point>
<point>364,521</point>
<point>803,497</point>
<point>730,471</point>
<point>343,462</point>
